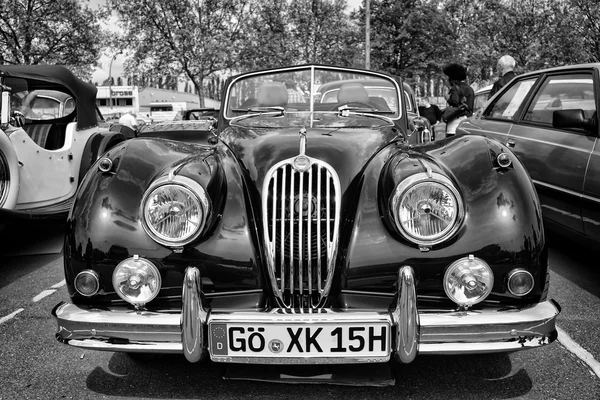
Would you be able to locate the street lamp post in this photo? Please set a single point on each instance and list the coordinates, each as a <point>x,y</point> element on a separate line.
<point>367,35</point>
<point>110,84</point>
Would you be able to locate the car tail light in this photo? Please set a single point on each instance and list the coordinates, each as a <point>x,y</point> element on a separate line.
<point>136,280</point>
<point>520,282</point>
<point>468,281</point>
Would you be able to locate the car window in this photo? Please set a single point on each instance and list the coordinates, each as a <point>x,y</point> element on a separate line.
<point>562,92</point>
<point>480,99</point>
<point>506,106</point>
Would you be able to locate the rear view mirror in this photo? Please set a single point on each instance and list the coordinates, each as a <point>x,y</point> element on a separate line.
<point>566,119</point>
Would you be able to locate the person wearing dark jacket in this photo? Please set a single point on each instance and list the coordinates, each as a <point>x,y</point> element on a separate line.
<point>461,97</point>
<point>505,68</point>
<point>429,111</point>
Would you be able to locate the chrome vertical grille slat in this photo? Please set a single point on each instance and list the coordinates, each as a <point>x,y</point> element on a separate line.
<point>301,217</point>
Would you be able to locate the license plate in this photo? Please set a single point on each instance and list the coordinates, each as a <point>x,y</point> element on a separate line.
<point>300,340</point>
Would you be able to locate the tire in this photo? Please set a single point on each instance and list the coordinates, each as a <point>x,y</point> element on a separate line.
<point>9,173</point>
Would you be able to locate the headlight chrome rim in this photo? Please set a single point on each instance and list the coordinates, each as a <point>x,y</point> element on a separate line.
<point>194,190</point>
<point>469,273</point>
<point>425,178</point>
<point>153,271</point>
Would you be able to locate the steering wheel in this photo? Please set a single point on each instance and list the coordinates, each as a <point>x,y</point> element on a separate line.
<point>17,119</point>
<point>357,104</point>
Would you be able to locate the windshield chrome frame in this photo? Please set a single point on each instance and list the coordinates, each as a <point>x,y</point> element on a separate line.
<point>313,68</point>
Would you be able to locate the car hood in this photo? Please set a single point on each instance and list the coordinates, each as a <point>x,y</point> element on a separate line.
<point>347,150</point>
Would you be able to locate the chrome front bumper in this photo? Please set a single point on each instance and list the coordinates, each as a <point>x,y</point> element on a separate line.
<point>413,331</point>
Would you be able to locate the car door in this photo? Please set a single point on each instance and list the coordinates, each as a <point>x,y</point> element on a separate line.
<point>557,159</point>
<point>497,119</point>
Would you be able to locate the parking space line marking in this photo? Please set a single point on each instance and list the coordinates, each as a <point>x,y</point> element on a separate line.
<point>59,284</point>
<point>579,351</point>
<point>10,316</point>
<point>40,296</point>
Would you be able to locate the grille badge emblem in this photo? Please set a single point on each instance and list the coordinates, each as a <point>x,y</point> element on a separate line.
<point>301,163</point>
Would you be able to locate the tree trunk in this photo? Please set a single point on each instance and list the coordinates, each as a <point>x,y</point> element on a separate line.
<point>199,84</point>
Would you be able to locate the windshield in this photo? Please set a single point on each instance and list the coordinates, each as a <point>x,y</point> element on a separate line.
<point>313,96</point>
<point>39,104</point>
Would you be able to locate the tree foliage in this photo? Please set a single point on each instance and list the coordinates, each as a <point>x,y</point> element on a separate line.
<point>288,32</point>
<point>195,38</point>
<point>63,32</point>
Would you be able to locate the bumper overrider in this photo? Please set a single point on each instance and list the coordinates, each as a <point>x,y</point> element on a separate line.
<point>321,336</point>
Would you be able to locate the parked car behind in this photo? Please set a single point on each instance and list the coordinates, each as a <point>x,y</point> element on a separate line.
<point>49,137</point>
<point>548,119</point>
<point>481,98</point>
<point>309,232</point>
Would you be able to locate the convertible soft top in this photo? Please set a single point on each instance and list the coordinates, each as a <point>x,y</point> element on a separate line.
<point>53,76</point>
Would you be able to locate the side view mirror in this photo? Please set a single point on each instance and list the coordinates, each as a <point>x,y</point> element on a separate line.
<point>566,119</point>
<point>421,126</point>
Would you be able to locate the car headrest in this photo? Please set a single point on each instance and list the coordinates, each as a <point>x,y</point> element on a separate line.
<point>353,93</point>
<point>272,94</point>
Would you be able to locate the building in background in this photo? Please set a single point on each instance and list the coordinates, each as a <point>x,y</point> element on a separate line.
<point>114,101</point>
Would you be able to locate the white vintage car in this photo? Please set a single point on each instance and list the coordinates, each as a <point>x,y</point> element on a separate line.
<point>49,137</point>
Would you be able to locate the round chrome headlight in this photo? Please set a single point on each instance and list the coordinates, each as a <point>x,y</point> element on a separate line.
<point>174,210</point>
<point>87,283</point>
<point>427,208</point>
<point>136,280</point>
<point>520,282</point>
<point>468,281</point>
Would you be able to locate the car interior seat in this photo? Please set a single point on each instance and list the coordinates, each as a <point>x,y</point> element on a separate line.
<point>353,93</point>
<point>272,94</point>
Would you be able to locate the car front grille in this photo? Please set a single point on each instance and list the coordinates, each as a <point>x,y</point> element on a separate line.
<point>301,214</point>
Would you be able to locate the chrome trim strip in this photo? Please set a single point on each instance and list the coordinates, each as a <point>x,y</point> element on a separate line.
<point>193,316</point>
<point>567,191</point>
<point>406,317</point>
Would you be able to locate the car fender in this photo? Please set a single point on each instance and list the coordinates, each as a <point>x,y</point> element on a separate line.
<point>8,152</point>
<point>97,144</point>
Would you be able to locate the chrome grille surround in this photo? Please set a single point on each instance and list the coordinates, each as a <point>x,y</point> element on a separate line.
<point>301,218</point>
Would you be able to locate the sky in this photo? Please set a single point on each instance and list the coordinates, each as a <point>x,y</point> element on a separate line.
<point>117,66</point>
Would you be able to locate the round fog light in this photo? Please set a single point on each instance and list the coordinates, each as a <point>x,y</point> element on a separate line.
<point>468,281</point>
<point>520,282</point>
<point>87,283</point>
<point>136,280</point>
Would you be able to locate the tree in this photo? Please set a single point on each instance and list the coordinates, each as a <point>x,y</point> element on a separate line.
<point>195,38</point>
<point>408,37</point>
<point>589,28</point>
<point>321,32</point>
<point>63,32</point>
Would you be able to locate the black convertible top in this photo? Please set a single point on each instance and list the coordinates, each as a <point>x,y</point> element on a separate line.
<point>57,77</point>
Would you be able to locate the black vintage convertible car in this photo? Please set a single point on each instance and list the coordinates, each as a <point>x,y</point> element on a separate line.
<point>307,232</point>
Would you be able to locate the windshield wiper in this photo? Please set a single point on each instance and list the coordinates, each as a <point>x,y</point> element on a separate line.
<point>273,111</point>
<point>346,111</point>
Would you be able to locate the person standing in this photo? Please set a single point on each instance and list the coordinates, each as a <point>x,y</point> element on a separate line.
<point>429,111</point>
<point>461,97</point>
<point>505,69</point>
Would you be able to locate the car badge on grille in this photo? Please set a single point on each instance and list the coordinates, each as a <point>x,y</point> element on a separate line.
<point>301,163</point>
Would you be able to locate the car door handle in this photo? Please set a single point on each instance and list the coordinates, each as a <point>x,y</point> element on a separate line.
<point>511,143</point>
